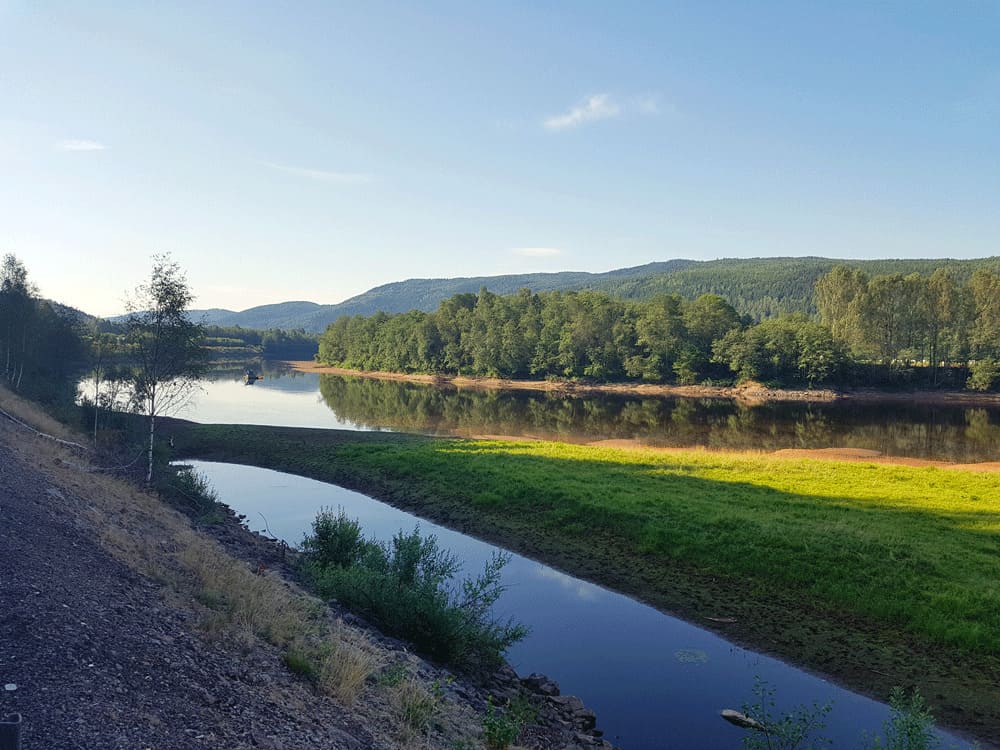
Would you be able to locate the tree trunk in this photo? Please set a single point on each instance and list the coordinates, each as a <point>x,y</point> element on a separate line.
<point>149,471</point>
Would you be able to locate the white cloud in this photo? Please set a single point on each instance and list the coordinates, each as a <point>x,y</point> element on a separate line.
<point>595,107</point>
<point>80,145</point>
<point>537,252</point>
<point>323,175</point>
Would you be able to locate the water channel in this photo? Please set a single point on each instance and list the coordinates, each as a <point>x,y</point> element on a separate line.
<point>654,681</point>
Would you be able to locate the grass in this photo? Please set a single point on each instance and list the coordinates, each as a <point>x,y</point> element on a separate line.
<point>880,574</point>
<point>917,547</point>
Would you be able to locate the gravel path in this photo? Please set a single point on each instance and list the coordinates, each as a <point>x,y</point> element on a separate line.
<point>100,660</point>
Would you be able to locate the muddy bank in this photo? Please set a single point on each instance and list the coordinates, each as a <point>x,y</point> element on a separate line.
<point>749,393</point>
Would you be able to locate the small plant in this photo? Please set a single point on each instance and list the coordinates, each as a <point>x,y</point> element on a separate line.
<point>416,705</point>
<point>393,675</point>
<point>502,727</point>
<point>910,725</point>
<point>185,488</point>
<point>300,663</point>
<point>344,670</point>
<point>784,732</point>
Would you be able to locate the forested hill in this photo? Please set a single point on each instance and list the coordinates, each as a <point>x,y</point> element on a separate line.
<point>421,294</point>
<point>765,287</point>
<point>759,287</point>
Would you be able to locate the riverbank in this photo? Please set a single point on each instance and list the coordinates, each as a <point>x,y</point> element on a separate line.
<point>875,575</point>
<point>750,393</point>
<point>124,625</point>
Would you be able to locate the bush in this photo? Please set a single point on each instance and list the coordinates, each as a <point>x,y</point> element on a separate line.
<point>335,541</point>
<point>910,725</point>
<point>782,731</point>
<point>983,374</point>
<point>406,588</point>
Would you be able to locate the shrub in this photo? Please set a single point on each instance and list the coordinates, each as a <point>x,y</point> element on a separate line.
<point>335,540</point>
<point>406,588</point>
<point>983,374</point>
<point>910,725</point>
<point>787,731</point>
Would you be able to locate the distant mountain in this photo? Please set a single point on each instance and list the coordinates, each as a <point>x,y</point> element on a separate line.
<point>758,287</point>
<point>418,294</point>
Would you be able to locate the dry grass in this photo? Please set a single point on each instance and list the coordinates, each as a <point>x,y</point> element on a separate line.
<point>415,706</point>
<point>231,600</point>
<point>345,672</point>
<point>159,543</point>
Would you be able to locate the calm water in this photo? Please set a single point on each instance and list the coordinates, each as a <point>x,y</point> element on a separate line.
<point>655,682</point>
<point>309,400</point>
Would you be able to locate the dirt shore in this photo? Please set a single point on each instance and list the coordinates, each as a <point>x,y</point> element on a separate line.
<point>751,393</point>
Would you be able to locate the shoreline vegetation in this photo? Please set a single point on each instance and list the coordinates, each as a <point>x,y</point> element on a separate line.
<point>877,575</point>
<point>750,392</point>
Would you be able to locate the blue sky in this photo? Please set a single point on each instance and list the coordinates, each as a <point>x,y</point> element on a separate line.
<point>314,150</point>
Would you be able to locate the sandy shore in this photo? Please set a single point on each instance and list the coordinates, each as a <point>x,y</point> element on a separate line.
<point>747,393</point>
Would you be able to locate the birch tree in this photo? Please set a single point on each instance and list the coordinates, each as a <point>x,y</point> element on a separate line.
<point>164,346</point>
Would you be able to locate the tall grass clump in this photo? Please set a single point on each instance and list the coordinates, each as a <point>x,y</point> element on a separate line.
<point>407,588</point>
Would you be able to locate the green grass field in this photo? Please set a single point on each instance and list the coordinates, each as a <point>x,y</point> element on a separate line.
<point>880,574</point>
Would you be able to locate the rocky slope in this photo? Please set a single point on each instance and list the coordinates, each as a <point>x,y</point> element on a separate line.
<point>111,635</point>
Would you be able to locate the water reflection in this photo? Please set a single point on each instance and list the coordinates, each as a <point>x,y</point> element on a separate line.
<point>934,432</point>
<point>289,398</point>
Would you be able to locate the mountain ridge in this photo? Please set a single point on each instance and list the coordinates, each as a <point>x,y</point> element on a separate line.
<point>758,287</point>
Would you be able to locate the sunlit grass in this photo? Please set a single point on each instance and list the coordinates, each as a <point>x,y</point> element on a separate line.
<point>915,548</point>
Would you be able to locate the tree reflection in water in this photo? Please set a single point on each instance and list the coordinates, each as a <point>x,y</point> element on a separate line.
<point>931,432</point>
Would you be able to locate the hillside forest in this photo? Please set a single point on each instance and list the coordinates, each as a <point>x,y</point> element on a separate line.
<point>933,329</point>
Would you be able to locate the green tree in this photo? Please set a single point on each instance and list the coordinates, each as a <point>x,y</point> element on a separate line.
<point>164,346</point>
<point>17,313</point>
<point>840,299</point>
<point>985,334</point>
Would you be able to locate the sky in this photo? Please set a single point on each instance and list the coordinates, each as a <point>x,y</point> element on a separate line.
<point>311,151</point>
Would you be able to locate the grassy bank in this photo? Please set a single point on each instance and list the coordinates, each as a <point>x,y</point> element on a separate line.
<point>880,575</point>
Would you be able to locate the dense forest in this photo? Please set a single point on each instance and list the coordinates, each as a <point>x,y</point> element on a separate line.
<point>884,329</point>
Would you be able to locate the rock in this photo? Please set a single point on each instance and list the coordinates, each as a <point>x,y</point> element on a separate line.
<point>741,720</point>
<point>541,684</point>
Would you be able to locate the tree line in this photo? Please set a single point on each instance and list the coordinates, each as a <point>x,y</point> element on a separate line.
<point>40,346</point>
<point>884,329</point>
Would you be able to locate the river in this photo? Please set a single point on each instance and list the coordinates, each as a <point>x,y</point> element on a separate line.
<point>283,397</point>
<point>654,681</point>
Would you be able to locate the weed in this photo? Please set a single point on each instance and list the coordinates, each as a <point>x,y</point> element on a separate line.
<point>502,727</point>
<point>300,663</point>
<point>393,675</point>
<point>786,731</point>
<point>345,670</point>
<point>415,704</point>
<point>910,725</point>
